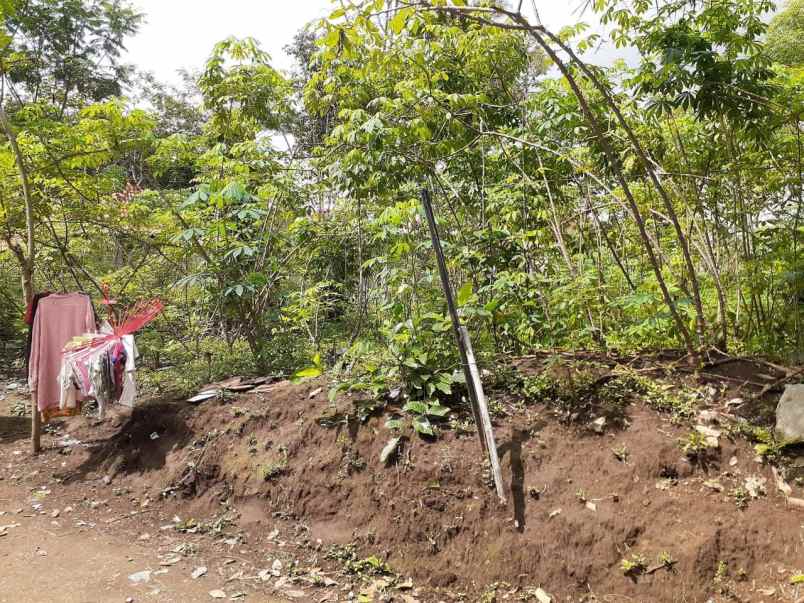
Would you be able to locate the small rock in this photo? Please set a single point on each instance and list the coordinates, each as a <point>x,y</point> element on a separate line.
<point>155,436</point>
<point>790,415</point>
<point>755,485</point>
<point>591,506</point>
<point>710,434</point>
<point>276,567</point>
<point>598,425</point>
<point>733,461</point>
<point>140,577</point>
<point>264,575</point>
<point>54,513</point>
<point>107,480</point>
<point>781,484</point>
<point>217,594</point>
<point>129,599</point>
<point>554,513</point>
<point>542,596</point>
<point>198,572</point>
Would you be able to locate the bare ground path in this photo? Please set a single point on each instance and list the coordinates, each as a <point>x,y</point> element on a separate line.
<point>50,559</point>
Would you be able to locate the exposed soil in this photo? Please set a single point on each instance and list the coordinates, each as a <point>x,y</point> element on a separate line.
<point>288,460</point>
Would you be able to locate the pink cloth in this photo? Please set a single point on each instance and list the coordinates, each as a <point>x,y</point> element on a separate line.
<point>58,319</point>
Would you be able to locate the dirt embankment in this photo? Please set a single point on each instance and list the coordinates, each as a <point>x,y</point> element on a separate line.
<point>619,515</point>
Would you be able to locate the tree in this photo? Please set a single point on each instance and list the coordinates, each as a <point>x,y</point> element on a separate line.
<point>785,34</point>
<point>54,56</point>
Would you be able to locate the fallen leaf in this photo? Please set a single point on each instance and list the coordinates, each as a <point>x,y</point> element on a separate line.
<point>390,449</point>
<point>170,561</point>
<point>714,485</point>
<point>295,594</point>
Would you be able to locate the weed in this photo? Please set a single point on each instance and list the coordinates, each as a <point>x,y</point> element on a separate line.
<point>634,566</point>
<point>694,446</point>
<point>347,555</point>
<point>621,453</point>
<point>741,497</point>
<point>765,444</point>
<point>721,572</point>
<point>666,560</point>
<point>496,409</point>
<point>611,392</point>
<point>273,470</point>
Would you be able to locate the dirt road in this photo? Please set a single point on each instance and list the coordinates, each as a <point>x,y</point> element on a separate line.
<point>47,559</point>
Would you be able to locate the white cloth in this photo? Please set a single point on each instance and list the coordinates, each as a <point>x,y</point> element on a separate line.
<point>129,394</point>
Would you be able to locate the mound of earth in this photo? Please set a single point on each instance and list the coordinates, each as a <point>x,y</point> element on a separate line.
<point>602,501</point>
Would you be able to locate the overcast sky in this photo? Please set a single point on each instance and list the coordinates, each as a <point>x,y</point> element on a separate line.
<point>180,33</point>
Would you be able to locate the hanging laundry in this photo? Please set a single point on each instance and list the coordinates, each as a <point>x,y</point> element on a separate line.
<point>30,314</point>
<point>102,365</point>
<point>58,318</point>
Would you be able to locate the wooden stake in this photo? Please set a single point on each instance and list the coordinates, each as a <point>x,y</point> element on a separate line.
<point>36,425</point>
<point>473,384</point>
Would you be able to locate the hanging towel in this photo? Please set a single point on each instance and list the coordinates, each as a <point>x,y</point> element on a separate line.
<point>59,318</point>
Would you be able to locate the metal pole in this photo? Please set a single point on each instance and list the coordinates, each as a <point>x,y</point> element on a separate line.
<point>476,396</point>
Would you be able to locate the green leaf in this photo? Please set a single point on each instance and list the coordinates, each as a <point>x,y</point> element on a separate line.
<point>399,20</point>
<point>464,293</point>
<point>423,426</point>
<point>444,387</point>
<point>394,424</point>
<point>311,371</point>
<point>436,410</point>
<point>415,407</point>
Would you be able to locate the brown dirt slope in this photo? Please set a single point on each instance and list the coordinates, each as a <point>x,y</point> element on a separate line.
<point>575,510</point>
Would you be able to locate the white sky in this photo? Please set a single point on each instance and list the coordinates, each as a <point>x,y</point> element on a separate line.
<point>180,33</point>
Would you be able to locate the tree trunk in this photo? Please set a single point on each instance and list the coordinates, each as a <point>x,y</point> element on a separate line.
<point>27,260</point>
<point>632,204</point>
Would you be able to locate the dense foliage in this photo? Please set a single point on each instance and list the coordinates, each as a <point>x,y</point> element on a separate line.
<point>278,214</point>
